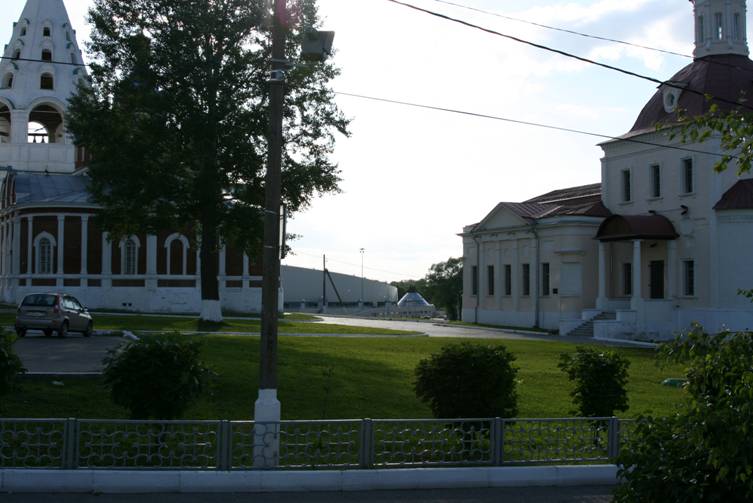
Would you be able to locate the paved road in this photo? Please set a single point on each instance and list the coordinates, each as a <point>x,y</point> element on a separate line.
<point>516,495</point>
<point>74,354</point>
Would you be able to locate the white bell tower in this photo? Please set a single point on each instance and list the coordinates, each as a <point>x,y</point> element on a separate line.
<point>39,71</point>
<point>720,28</point>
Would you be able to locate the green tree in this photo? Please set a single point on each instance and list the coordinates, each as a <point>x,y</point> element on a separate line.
<point>444,286</point>
<point>469,380</point>
<point>10,364</point>
<point>175,119</point>
<point>704,452</point>
<point>600,377</point>
<point>155,378</point>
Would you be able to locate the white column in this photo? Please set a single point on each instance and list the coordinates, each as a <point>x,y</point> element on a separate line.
<point>672,269</point>
<point>16,249</point>
<point>636,301</point>
<point>106,261</point>
<point>84,250</point>
<point>223,266</point>
<point>29,246</point>
<point>601,300</point>
<point>151,262</point>
<point>61,250</point>
<point>516,277</point>
<point>499,279</point>
<point>198,267</point>
<point>245,271</point>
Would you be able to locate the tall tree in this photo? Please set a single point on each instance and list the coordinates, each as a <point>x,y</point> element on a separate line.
<point>176,121</point>
<point>444,286</point>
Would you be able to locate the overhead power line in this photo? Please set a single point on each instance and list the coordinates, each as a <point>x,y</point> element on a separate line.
<point>568,54</point>
<point>564,30</point>
<point>529,123</point>
<point>67,63</point>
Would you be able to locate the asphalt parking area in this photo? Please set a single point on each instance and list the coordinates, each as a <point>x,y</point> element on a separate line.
<point>74,354</point>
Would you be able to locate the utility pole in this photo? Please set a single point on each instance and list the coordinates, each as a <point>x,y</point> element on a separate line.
<point>267,410</point>
<point>363,250</point>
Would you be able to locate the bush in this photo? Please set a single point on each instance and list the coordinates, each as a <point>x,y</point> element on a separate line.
<point>705,451</point>
<point>155,378</point>
<point>10,363</point>
<point>468,380</point>
<point>600,377</point>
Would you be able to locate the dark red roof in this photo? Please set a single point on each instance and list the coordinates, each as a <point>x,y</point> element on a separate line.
<point>739,197</point>
<point>729,77</point>
<point>628,227</point>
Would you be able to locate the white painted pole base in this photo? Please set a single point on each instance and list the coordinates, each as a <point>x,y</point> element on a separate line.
<point>267,414</point>
<point>211,310</point>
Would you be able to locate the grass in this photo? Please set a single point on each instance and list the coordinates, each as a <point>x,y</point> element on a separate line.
<point>507,327</point>
<point>117,322</point>
<point>370,377</point>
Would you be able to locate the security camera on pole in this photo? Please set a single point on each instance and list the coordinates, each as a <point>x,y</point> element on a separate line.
<point>267,411</point>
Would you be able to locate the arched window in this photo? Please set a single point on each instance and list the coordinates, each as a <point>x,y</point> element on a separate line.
<point>44,245</point>
<point>130,260</point>
<point>176,249</point>
<point>7,81</point>
<point>46,31</point>
<point>46,55</point>
<point>47,82</point>
<point>17,54</point>
<point>45,125</point>
<point>4,124</point>
<point>23,31</point>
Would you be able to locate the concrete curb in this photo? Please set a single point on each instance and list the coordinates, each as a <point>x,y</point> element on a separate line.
<point>514,331</point>
<point>122,482</point>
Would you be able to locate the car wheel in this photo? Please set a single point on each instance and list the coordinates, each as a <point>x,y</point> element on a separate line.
<point>89,330</point>
<point>21,332</point>
<point>47,332</point>
<point>63,331</point>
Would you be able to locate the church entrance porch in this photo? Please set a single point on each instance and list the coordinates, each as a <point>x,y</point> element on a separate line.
<point>638,268</point>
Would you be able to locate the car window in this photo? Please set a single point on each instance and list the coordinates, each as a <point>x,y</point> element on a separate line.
<point>68,303</point>
<point>76,304</point>
<point>39,300</point>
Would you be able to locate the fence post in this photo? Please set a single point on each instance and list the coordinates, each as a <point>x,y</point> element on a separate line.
<point>70,444</point>
<point>366,453</point>
<point>224,446</point>
<point>497,441</point>
<point>613,448</point>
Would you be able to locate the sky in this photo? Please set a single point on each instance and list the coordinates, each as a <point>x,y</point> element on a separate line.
<point>411,178</point>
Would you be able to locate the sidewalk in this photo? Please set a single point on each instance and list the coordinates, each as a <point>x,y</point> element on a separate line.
<point>507,495</point>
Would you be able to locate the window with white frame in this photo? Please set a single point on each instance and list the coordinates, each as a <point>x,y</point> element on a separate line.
<point>688,278</point>
<point>627,190</point>
<point>44,248</point>
<point>130,257</point>
<point>687,176</point>
<point>176,250</point>
<point>718,26</point>
<point>655,180</point>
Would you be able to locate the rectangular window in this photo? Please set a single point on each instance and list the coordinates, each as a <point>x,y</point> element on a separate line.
<point>655,180</point>
<point>627,279</point>
<point>689,274</point>
<point>526,280</point>
<point>508,279</point>
<point>687,174</point>
<point>490,280</point>
<point>545,282</point>
<point>736,26</point>
<point>701,34</point>
<point>474,280</point>
<point>627,193</point>
<point>718,26</point>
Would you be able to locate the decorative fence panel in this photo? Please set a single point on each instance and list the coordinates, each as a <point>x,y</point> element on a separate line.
<point>306,445</point>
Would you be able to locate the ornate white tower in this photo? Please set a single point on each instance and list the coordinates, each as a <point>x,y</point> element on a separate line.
<point>39,72</point>
<point>720,28</point>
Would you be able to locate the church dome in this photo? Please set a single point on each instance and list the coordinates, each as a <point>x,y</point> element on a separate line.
<point>728,77</point>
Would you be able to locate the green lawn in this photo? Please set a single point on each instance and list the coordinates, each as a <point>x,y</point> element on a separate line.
<point>372,377</point>
<point>289,325</point>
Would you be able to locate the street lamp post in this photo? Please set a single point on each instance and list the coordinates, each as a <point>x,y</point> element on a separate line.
<point>363,250</point>
<point>267,409</point>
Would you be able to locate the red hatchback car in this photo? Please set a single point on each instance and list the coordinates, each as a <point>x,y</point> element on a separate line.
<point>50,312</point>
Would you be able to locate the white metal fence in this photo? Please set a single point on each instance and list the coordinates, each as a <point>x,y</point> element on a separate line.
<point>329,444</point>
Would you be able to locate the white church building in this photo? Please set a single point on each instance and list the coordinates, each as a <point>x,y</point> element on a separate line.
<point>663,241</point>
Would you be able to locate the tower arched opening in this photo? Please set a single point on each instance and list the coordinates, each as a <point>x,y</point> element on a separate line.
<point>47,82</point>
<point>7,82</point>
<point>45,125</point>
<point>46,55</point>
<point>5,123</point>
